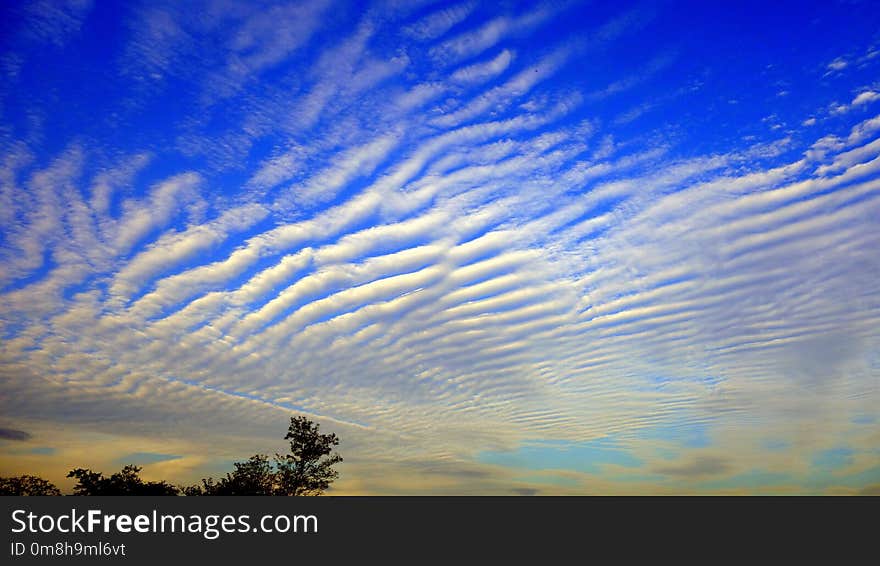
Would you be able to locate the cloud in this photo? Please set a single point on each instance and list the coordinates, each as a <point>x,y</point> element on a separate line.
<point>653,67</point>
<point>838,64</point>
<point>142,458</point>
<point>517,86</point>
<point>267,37</point>
<point>438,23</point>
<point>862,99</point>
<point>14,434</point>
<point>165,199</point>
<point>475,41</point>
<point>865,98</point>
<point>425,232</point>
<point>700,466</point>
<point>55,22</point>
<point>278,169</point>
<point>480,72</point>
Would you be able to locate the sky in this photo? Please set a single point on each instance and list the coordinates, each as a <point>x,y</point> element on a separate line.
<point>504,247</point>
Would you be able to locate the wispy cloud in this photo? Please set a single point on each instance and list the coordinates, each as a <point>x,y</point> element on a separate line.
<point>838,64</point>
<point>861,99</point>
<point>438,23</point>
<point>480,72</point>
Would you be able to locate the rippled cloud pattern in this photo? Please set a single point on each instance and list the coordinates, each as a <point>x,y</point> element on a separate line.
<point>552,247</point>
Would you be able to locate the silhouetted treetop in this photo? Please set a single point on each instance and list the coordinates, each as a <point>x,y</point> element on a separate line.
<point>127,481</point>
<point>253,477</point>
<point>306,470</point>
<point>27,485</point>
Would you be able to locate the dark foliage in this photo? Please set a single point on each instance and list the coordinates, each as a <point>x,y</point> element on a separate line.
<point>253,477</point>
<point>127,481</point>
<point>27,485</point>
<point>306,470</point>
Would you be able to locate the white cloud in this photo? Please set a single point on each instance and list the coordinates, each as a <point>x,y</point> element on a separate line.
<point>862,99</point>
<point>278,169</point>
<point>165,199</point>
<point>483,71</point>
<point>865,98</point>
<point>440,22</point>
<point>475,41</point>
<point>838,64</point>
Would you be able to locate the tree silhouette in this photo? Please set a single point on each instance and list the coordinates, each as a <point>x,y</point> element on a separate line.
<point>253,477</point>
<point>27,485</point>
<point>127,481</point>
<point>308,469</point>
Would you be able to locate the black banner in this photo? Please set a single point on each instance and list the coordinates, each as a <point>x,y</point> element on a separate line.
<point>239,530</point>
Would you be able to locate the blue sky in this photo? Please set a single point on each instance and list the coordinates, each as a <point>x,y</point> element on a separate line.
<point>514,247</point>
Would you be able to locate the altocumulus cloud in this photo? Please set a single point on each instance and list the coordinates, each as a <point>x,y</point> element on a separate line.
<point>443,230</point>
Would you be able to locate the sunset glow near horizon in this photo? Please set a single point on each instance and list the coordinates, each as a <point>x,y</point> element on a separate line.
<point>498,248</point>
